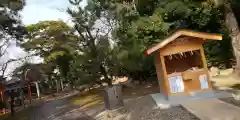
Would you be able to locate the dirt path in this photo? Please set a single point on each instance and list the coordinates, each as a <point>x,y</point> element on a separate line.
<point>61,109</point>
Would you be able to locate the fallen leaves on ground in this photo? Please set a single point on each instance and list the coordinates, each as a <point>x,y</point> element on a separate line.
<point>89,99</point>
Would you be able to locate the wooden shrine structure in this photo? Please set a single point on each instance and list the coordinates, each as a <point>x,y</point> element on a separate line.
<point>1,94</point>
<point>2,102</point>
<point>181,65</point>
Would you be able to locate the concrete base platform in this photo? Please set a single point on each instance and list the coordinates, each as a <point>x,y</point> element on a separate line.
<point>164,102</point>
<point>212,109</point>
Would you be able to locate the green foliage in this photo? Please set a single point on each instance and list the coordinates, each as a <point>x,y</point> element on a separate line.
<point>219,53</point>
<point>10,23</point>
<point>47,36</point>
<point>54,55</point>
<point>54,41</point>
<point>11,29</point>
<point>32,72</point>
<point>95,58</point>
<point>88,53</point>
<point>139,27</point>
<point>85,73</point>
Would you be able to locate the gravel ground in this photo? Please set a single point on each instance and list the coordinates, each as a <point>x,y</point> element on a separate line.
<point>60,109</point>
<point>71,115</point>
<point>235,99</point>
<point>144,108</point>
<point>231,100</point>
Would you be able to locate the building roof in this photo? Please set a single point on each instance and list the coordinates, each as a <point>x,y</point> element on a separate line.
<point>203,35</point>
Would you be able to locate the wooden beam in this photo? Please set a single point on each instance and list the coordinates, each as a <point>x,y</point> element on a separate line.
<point>175,49</point>
<point>202,35</point>
<point>164,70</point>
<point>204,62</point>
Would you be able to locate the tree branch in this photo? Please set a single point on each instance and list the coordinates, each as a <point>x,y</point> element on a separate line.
<point>97,32</point>
<point>2,50</point>
<point>79,32</point>
<point>5,65</point>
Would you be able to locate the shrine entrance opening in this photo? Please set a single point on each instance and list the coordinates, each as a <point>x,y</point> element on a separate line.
<point>185,61</point>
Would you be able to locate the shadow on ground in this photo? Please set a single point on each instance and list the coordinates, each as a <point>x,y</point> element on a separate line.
<point>61,109</point>
<point>144,108</point>
<point>236,86</point>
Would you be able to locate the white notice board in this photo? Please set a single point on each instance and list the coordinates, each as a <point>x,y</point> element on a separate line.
<point>176,84</point>
<point>203,81</point>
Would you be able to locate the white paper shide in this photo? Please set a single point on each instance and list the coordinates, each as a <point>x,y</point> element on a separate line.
<point>176,84</point>
<point>203,81</point>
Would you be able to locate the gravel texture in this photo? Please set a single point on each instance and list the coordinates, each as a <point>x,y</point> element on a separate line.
<point>235,99</point>
<point>71,115</point>
<point>231,100</point>
<point>60,109</point>
<point>144,108</point>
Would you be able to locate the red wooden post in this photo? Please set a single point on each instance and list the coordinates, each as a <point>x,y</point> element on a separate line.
<point>1,94</point>
<point>3,109</point>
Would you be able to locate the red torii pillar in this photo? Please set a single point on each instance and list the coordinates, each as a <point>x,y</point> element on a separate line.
<point>2,99</point>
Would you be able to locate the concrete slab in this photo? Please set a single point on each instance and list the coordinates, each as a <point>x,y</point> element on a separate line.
<point>162,102</point>
<point>212,109</point>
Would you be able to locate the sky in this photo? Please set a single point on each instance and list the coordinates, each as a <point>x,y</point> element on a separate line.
<point>39,10</point>
<point>34,12</point>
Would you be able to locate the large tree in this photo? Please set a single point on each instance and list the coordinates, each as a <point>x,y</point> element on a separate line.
<point>139,27</point>
<point>93,26</point>
<point>54,41</point>
<point>41,73</point>
<point>10,22</point>
<point>29,71</point>
<point>11,29</point>
<point>232,26</point>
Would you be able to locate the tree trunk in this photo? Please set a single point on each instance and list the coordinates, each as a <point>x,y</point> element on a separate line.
<point>57,86</point>
<point>61,83</point>
<point>104,72</point>
<point>233,28</point>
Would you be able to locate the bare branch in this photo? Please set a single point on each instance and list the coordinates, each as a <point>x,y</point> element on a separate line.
<point>79,32</point>
<point>5,44</point>
<point>4,50</point>
<point>5,65</point>
<point>97,32</point>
